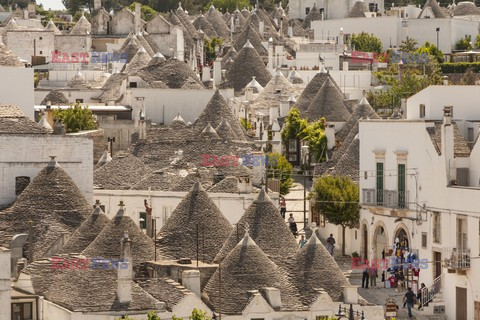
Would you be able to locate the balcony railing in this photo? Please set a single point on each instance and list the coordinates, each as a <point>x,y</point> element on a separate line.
<point>457,259</point>
<point>385,198</point>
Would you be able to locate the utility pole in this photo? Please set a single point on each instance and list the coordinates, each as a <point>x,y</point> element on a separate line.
<point>111,141</point>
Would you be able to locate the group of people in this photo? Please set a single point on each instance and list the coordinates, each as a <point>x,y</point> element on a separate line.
<point>370,274</point>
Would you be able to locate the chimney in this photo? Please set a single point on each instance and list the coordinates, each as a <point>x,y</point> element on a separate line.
<point>448,145</point>
<point>290,31</point>
<point>261,27</point>
<point>97,4</point>
<point>248,94</point>
<point>138,108</point>
<point>138,17</point>
<point>270,54</point>
<point>16,251</point>
<point>273,113</point>
<point>217,72</point>
<point>59,128</point>
<point>330,134</point>
<point>273,297</point>
<point>445,80</point>
<point>191,281</point>
<point>125,271</point>
<point>244,184</point>
<point>25,14</point>
<point>205,74</point>
<point>350,294</point>
<point>258,168</point>
<point>5,286</point>
<point>49,113</point>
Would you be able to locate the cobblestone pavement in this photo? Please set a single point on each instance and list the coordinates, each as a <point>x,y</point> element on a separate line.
<point>377,295</point>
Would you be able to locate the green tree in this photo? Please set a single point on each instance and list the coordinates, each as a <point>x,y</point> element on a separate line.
<point>464,44</point>
<point>76,118</point>
<point>366,42</point>
<point>294,126</point>
<point>279,168</point>
<point>196,315</point>
<point>314,134</point>
<point>246,124</point>
<point>227,5</point>
<point>337,198</point>
<point>210,47</point>
<point>152,315</point>
<point>148,13</point>
<point>408,45</point>
<point>477,42</point>
<point>469,78</point>
<point>431,50</point>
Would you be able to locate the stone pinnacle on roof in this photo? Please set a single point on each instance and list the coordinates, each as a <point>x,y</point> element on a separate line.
<point>294,77</point>
<point>178,237</point>
<point>268,230</point>
<point>51,26</point>
<point>328,103</point>
<point>105,158</point>
<point>250,37</point>
<point>139,61</point>
<point>257,87</point>
<point>82,27</point>
<point>247,268</point>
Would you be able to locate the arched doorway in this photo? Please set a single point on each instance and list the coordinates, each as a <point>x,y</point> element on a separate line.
<point>401,233</point>
<point>364,241</point>
<point>380,242</point>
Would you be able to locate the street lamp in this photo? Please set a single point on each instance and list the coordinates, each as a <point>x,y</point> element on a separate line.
<point>438,31</point>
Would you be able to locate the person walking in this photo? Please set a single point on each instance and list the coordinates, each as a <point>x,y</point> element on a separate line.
<point>330,244</point>
<point>373,274</point>
<point>283,207</point>
<point>422,296</point>
<point>365,277</point>
<point>302,242</point>
<point>409,299</point>
<point>293,224</point>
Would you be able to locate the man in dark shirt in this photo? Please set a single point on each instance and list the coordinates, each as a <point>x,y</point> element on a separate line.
<point>410,299</point>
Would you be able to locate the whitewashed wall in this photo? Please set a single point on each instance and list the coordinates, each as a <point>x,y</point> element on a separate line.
<point>16,87</point>
<point>26,155</point>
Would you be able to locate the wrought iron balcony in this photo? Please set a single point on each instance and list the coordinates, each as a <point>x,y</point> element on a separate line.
<point>457,259</point>
<point>385,198</point>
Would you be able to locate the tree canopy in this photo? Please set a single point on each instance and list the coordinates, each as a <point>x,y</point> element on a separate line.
<point>147,12</point>
<point>76,118</point>
<point>337,198</point>
<point>227,5</point>
<point>431,50</point>
<point>366,42</point>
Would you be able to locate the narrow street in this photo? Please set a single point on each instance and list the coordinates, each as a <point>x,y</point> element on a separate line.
<point>377,295</point>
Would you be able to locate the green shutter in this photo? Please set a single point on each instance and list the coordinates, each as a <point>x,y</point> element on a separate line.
<point>401,185</point>
<point>379,183</point>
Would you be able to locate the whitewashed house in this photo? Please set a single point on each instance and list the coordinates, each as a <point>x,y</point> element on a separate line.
<point>330,9</point>
<point>419,180</point>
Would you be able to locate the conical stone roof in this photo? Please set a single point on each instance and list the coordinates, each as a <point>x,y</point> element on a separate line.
<point>277,90</point>
<point>185,20</point>
<point>209,133</point>
<point>247,268</point>
<point>249,34</point>
<point>145,44</point>
<point>231,54</point>
<point>82,27</point>
<point>313,15</point>
<point>215,112</point>
<point>52,202</point>
<point>294,77</point>
<point>363,111</point>
<point>107,244</point>
<point>87,232</point>
<point>130,49</point>
<point>51,26</point>
<point>157,59</point>
<point>56,98</point>
<point>225,131</point>
<point>217,22</point>
<point>349,163</point>
<point>312,268</point>
<point>267,228</point>
<point>174,73</point>
<point>139,61</point>
<point>8,58</point>
<point>178,237</point>
<point>434,6</point>
<point>311,91</point>
<point>202,23</point>
<point>328,103</point>
<point>246,65</point>
<point>358,10</point>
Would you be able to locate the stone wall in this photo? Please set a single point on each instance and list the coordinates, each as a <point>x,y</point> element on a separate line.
<point>26,155</point>
<point>24,42</point>
<point>123,22</point>
<point>73,43</point>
